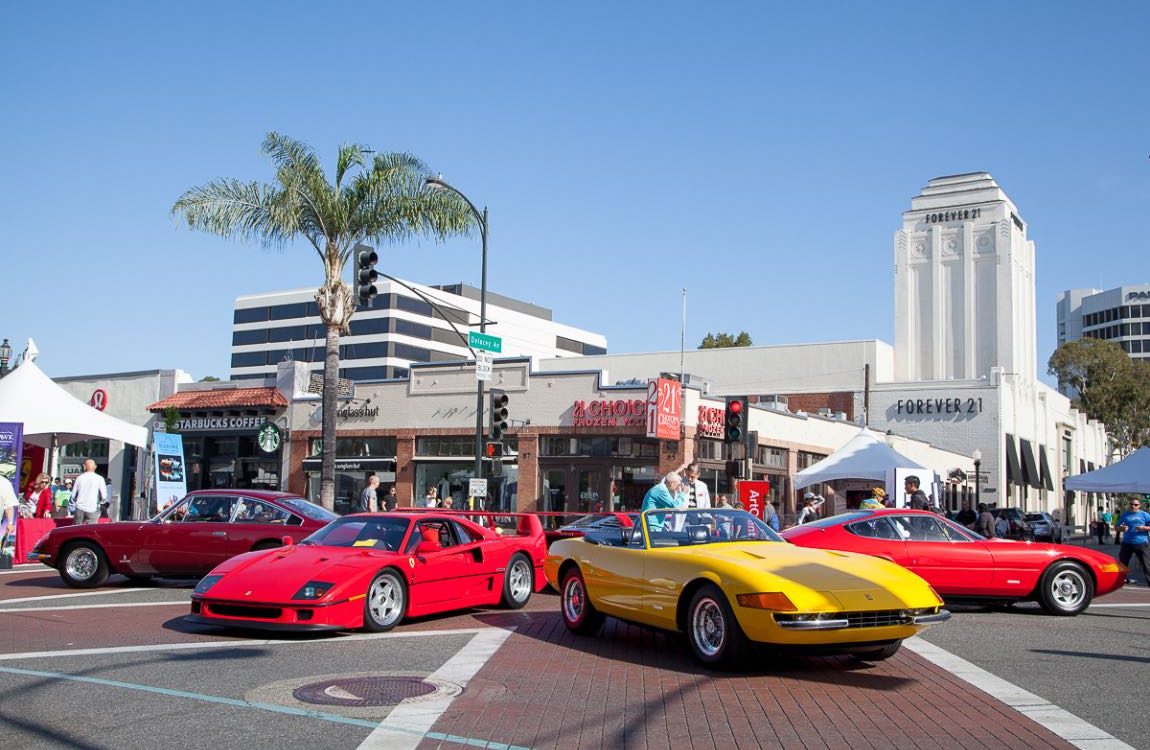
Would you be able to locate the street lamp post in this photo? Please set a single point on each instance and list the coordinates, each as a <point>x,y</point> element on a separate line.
<point>439,184</point>
<point>5,355</point>
<point>977,456</point>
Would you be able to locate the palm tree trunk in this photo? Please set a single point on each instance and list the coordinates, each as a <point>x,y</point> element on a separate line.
<point>330,386</point>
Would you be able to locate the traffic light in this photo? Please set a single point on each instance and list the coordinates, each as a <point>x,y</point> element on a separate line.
<point>498,415</point>
<point>366,276</point>
<point>734,425</point>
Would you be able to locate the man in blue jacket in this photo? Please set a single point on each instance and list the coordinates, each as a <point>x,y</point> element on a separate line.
<point>664,495</point>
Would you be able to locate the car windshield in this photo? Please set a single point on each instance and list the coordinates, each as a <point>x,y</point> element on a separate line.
<point>671,528</point>
<point>307,509</point>
<point>375,532</point>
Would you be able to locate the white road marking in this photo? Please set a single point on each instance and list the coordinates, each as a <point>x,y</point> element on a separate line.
<point>408,723</point>
<point>3,611</point>
<point>1061,722</point>
<point>18,569</point>
<point>1129,604</point>
<point>68,596</point>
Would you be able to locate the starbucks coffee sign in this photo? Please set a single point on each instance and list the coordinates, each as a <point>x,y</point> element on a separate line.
<point>268,438</point>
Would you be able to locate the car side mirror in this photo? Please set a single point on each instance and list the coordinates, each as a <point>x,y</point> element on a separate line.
<point>288,541</point>
<point>425,547</point>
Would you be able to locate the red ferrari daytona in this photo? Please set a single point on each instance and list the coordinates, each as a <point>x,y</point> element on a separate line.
<point>373,570</point>
<point>961,564</point>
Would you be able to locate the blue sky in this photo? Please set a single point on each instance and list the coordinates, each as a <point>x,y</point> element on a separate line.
<point>758,154</point>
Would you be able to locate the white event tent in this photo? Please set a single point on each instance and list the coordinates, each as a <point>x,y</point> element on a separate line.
<point>865,456</point>
<point>52,416</point>
<point>1131,474</point>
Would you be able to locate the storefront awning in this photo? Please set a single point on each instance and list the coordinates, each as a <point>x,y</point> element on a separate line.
<point>1030,473</point>
<point>1013,472</point>
<point>1044,469</point>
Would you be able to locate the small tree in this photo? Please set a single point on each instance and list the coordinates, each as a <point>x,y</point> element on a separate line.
<point>725,340</point>
<point>1110,387</point>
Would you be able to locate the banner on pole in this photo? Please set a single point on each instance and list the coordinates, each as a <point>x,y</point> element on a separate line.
<point>171,479</point>
<point>664,408</point>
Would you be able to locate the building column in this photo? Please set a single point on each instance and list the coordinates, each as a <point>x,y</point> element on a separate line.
<point>527,499</point>
<point>405,469</point>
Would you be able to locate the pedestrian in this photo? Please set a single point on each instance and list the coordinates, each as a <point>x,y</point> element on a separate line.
<point>918,498</point>
<point>1002,525</point>
<point>809,511</point>
<point>1102,525</point>
<point>9,502</point>
<point>721,501</point>
<point>368,501</point>
<point>770,515</point>
<point>695,489</point>
<point>876,500</point>
<point>662,496</point>
<point>431,499</point>
<point>108,507</point>
<point>966,516</point>
<point>64,498</point>
<point>391,499</point>
<point>88,493</point>
<point>1135,525</point>
<point>984,524</point>
<point>448,503</point>
<point>40,499</point>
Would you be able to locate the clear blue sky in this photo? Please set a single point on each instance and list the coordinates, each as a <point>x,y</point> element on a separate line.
<point>757,154</point>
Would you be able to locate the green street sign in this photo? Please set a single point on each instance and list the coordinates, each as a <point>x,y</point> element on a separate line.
<point>484,341</point>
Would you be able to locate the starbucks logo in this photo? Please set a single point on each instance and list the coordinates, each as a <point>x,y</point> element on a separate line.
<point>269,438</point>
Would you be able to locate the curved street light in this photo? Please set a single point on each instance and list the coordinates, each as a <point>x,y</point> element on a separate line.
<point>438,183</point>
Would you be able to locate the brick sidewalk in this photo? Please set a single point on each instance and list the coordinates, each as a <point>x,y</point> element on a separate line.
<point>634,688</point>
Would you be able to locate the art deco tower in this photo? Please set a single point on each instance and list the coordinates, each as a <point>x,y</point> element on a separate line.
<point>963,283</point>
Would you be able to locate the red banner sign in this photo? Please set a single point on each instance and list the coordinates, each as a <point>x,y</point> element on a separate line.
<point>753,494</point>
<point>664,408</point>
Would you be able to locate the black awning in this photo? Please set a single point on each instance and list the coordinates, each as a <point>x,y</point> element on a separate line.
<point>1013,472</point>
<point>352,464</point>
<point>1044,468</point>
<point>1090,466</point>
<point>1082,466</point>
<point>1029,465</point>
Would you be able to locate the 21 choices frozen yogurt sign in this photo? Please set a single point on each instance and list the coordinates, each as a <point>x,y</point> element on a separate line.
<point>664,408</point>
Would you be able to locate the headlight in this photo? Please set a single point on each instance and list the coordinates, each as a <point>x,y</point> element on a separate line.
<point>313,590</point>
<point>206,583</point>
<point>775,600</point>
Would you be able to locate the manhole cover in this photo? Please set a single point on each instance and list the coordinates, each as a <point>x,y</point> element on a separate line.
<point>357,692</point>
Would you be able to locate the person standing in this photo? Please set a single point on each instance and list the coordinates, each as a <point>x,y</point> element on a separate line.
<point>40,497</point>
<point>770,515</point>
<point>876,501</point>
<point>109,505</point>
<point>8,505</point>
<point>1135,527</point>
<point>966,517</point>
<point>391,499</point>
<point>431,499</point>
<point>809,512</point>
<point>695,489</point>
<point>88,492</point>
<point>1102,525</point>
<point>64,498</point>
<point>984,524</point>
<point>918,498</point>
<point>368,500</point>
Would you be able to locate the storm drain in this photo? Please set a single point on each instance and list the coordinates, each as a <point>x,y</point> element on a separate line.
<point>360,692</point>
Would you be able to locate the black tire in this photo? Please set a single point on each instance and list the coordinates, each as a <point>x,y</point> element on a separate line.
<point>385,605</point>
<point>266,544</point>
<point>878,654</point>
<point>1065,589</point>
<point>579,614</point>
<point>518,581</point>
<point>715,636</point>
<point>83,565</point>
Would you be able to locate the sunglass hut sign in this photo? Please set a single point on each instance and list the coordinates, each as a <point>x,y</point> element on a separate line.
<point>618,413</point>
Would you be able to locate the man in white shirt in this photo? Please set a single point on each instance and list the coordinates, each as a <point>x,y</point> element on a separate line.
<point>695,489</point>
<point>88,492</point>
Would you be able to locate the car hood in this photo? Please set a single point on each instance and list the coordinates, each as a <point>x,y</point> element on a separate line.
<point>276,575</point>
<point>816,579</point>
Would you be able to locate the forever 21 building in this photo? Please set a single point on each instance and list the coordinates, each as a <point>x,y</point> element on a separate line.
<point>406,323</point>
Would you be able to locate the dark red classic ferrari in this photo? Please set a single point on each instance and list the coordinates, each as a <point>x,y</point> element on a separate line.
<point>961,564</point>
<point>189,538</point>
<point>372,570</point>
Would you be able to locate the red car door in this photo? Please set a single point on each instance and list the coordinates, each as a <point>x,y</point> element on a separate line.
<point>948,559</point>
<point>191,539</point>
<point>442,565</point>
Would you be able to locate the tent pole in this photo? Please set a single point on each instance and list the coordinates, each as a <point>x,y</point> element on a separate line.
<point>53,458</point>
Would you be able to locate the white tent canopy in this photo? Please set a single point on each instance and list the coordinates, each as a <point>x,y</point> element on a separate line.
<point>48,411</point>
<point>865,456</point>
<point>1131,474</point>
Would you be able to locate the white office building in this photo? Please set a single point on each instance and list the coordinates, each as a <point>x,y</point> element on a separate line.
<point>1121,315</point>
<point>406,323</point>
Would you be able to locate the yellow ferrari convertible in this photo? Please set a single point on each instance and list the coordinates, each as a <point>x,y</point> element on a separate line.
<point>728,581</point>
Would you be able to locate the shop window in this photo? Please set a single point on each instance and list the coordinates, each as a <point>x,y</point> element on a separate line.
<point>555,494</point>
<point>769,456</point>
<point>594,446</point>
<point>708,449</point>
<point>445,446</point>
<point>356,447</point>
<point>806,459</point>
<point>557,446</point>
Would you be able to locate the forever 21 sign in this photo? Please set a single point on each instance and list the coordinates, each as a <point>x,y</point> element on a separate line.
<point>939,408</point>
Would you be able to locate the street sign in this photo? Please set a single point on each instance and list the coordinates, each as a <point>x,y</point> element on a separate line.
<point>484,341</point>
<point>483,365</point>
<point>477,488</point>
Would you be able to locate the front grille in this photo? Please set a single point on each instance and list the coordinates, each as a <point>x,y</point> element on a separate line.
<point>254,613</point>
<point>875,619</point>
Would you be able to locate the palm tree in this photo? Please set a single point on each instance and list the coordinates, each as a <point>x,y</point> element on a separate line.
<point>381,199</point>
